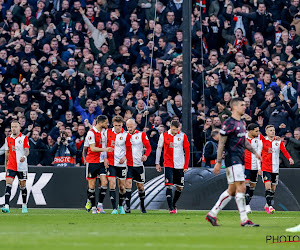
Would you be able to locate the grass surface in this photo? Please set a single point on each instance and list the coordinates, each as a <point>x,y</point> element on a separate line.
<point>77,229</point>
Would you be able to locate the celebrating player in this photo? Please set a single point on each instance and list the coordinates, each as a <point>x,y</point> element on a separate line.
<point>95,163</point>
<point>270,149</point>
<point>116,161</point>
<point>176,161</point>
<point>232,137</point>
<point>251,166</point>
<point>16,152</point>
<point>135,142</point>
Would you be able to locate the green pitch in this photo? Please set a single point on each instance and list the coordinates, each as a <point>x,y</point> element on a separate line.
<point>77,229</point>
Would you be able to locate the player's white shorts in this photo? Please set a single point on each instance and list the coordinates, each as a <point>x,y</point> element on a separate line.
<point>235,173</point>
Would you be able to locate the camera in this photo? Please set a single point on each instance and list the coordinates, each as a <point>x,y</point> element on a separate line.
<point>63,139</point>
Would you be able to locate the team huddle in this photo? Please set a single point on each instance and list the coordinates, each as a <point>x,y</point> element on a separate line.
<point>117,156</point>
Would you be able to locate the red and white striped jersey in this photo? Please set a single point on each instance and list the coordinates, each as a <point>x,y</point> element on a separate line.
<point>94,136</point>
<point>117,142</point>
<point>250,158</point>
<point>270,151</point>
<point>135,146</point>
<point>176,150</point>
<point>16,147</point>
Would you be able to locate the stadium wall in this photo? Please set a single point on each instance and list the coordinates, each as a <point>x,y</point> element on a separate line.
<point>52,187</point>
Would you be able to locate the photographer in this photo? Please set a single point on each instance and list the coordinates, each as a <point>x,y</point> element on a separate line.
<point>64,151</point>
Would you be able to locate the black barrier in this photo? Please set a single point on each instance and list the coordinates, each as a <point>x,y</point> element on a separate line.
<point>52,187</point>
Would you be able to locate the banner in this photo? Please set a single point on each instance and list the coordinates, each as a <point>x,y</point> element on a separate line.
<point>65,187</point>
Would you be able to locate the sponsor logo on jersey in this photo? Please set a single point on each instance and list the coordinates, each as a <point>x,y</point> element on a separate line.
<point>241,134</point>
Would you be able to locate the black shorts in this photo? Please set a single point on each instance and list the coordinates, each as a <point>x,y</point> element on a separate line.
<point>93,170</point>
<point>117,172</point>
<point>251,175</point>
<point>174,177</point>
<point>22,175</point>
<point>272,177</point>
<point>137,174</point>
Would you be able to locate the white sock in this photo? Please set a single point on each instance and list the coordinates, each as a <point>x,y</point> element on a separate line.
<point>6,206</point>
<point>241,205</point>
<point>100,204</point>
<point>221,203</point>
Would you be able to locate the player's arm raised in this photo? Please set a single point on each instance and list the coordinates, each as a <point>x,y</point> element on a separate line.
<point>249,147</point>
<point>221,145</point>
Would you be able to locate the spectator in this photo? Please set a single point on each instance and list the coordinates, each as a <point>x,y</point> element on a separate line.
<point>293,147</point>
<point>37,149</point>
<point>64,151</point>
<point>210,150</point>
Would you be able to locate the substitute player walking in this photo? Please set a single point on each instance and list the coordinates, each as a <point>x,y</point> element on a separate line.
<point>176,161</point>
<point>94,161</point>
<point>232,137</point>
<point>270,150</point>
<point>116,162</point>
<point>16,152</point>
<point>135,142</point>
<point>251,163</point>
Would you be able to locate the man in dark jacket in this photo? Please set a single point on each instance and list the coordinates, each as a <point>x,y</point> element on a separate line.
<point>293,147</point>
<point>37,149</point>
<point>210,150</point>
<point>262,20</point>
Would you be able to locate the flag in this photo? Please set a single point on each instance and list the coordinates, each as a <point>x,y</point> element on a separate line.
<point>202,4</point>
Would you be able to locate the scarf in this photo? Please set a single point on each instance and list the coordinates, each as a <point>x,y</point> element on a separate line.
<point>238,44</point>
<point>27,21</point>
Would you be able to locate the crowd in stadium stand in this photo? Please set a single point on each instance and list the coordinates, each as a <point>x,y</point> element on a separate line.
<point>63,63</point>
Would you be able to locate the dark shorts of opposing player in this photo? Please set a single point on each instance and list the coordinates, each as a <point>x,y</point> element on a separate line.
<point>174,177</point>
<point>270,177</point>
<point>251,175</point>
<point>117,172</point>
<point>93,170</point>
<point>137,174</point>
<point>22,175</point>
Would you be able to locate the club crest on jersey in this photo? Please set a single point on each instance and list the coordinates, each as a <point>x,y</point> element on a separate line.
<point>90,138</point>
<point>136,137</point>
<point>20,142</point>
<point>276,144</point>
<point>121,138</point>
<point>179,139</point>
